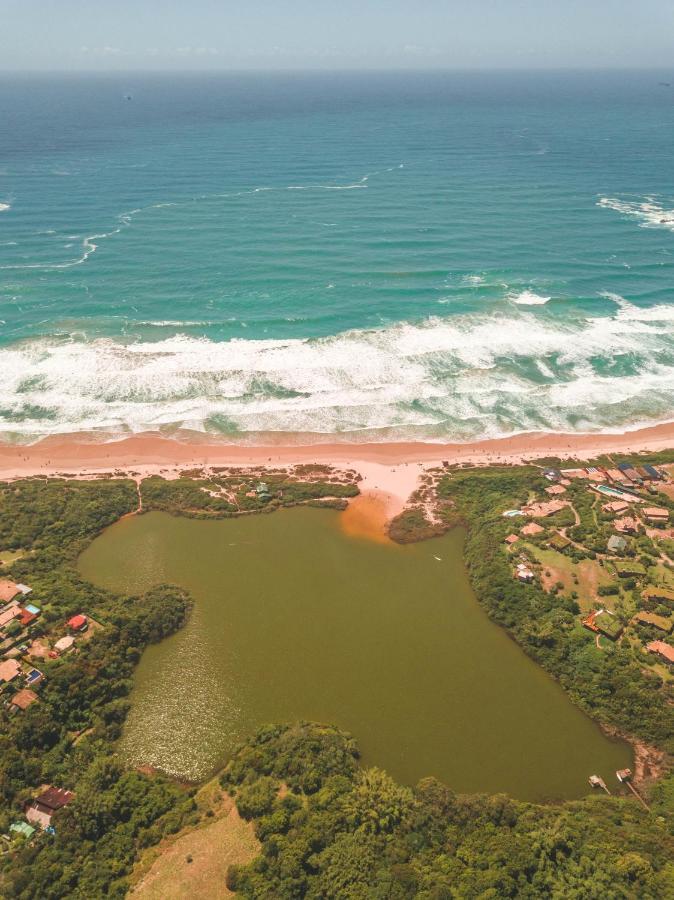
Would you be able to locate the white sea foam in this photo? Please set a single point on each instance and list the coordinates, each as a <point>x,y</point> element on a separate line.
<point>4,207</point>
<point>462,375</point>
<point>528,298</point>
<point>650,212</point>
<point>91,243</point>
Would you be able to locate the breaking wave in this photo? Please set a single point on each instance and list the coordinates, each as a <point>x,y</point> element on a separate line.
<point>528,298</point>
<point>461,377</point>
<point>649,211</point>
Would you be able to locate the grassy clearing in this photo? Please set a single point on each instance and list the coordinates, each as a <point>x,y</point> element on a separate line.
<point>219,840</point>
<point>589,574</point>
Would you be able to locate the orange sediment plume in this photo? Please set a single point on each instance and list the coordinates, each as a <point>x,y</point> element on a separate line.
<point>367,516</point>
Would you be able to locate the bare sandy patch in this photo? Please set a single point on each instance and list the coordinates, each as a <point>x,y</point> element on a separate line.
<point>194,863</point>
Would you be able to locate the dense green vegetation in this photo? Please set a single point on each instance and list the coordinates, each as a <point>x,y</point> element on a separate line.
<point>328,828</point>
<point>348,833</point>
<point>610,685</point>
<point>222,495</point>
<point>67,737</point>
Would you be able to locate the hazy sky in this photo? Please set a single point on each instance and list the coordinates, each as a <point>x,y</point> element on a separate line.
<point>334,34</point>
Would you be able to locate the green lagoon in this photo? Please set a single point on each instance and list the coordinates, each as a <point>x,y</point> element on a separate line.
<point>295,620</point>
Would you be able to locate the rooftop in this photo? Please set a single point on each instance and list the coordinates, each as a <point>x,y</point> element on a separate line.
<point>24,698</point>
<point>8,590</point>
<point>55,798</point>
<point>9,669</point>
<point>662,649</point>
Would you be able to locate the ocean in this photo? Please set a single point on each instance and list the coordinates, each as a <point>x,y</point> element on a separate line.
<point>367,257</point>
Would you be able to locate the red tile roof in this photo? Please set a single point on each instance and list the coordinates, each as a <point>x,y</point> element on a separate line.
<point>8,590</point>
<point>77,622</point>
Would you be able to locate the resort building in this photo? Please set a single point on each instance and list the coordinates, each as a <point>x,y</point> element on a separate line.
<point>11,611</point>
<point>627,568</point>
<point>64,644</point>
<point>616,506</point>
<point>653,473</point>
<point>8,590</point>
<point>22,700</point>
<point>559,541</point>
<point>78,623</point>
<point>659,622</point>
<point>510,540</point>
<point>654,594</point>
<point>555,490</point>
<point>602,621</point>
<point>532,529</point>
<point>656,514</point>
<point>663,650</point>
<point>9,670</point>
<point>543,510</point>
<point>524,574</point>
<point>41,810</point>
<point>616,544</point>
<point>617,476</point>
<point>632,474</point>
<point>626,525</point>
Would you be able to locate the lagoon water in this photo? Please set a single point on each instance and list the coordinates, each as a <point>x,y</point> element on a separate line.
<point>367,256</point>
<point>295,620</point>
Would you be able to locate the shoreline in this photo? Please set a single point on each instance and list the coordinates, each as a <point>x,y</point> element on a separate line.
<point>389,471</point>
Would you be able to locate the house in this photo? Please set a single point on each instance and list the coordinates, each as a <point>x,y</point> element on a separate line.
<point>656,513</point>
<point>22,699</point>
<point>616,506</point>
<point>626,525</point>
<point>532,529</point>
<point>653,473</point>
<point>25,617</point>
<point>524,574</point>
<point>626,568</point>
<point>11,611</point>
<point>42,809</point>
<point>602,621</point>
<point>616,544</point>
<point>22,828</point>
<point>9,670</point>
<point>510,540</point>
<point>654,594</point>
<point>663,650</point>
<point>629,470</point>
<point>545,509</point>
<point>595,474</point>
<point>555,490</point>
<point>64,644</point>
<point>8,590</point>
<point>552,474</point>
<point>559,542</point>
<point>78,623</point>
<point>617,476</point>
<point>659,622</point>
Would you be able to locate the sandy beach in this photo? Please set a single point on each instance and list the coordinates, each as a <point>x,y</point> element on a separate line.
<point>390,471</point>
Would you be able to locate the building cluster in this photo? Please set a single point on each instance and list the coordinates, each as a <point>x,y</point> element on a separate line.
<point>23,640</point>
<point>626,499</point>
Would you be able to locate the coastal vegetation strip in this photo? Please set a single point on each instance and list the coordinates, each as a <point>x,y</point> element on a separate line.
<point>338,830</point>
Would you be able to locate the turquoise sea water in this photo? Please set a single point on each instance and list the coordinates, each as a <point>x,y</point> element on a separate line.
<point>370,256</point>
